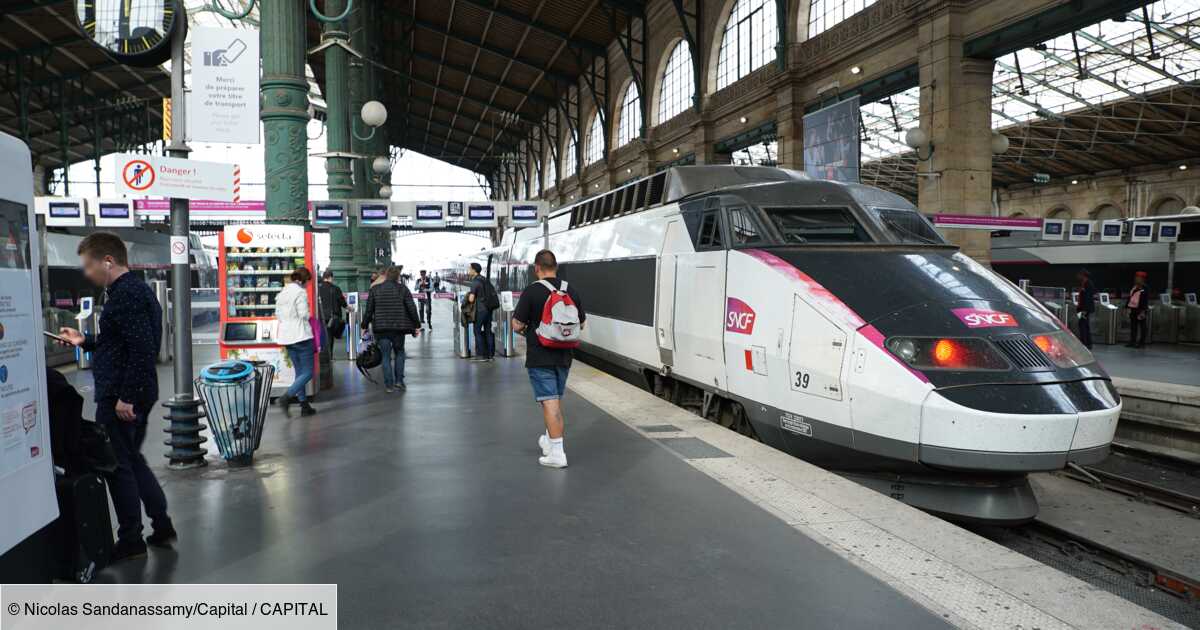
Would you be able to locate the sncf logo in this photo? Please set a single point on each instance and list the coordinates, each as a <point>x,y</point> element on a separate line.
<point>739,317</point>
<point>975,318</point>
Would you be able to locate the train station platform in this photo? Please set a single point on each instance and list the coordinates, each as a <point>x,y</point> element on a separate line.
<point>429,510</point>
<point>1160,390</point>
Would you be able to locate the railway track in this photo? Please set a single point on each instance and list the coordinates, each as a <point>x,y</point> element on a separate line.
<point>1140,490</point>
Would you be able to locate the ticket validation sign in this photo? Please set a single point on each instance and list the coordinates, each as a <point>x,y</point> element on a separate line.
<point>223,105</point>
<point>156,176</point>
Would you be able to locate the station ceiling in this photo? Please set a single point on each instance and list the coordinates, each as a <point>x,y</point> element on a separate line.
<point>74,90</point>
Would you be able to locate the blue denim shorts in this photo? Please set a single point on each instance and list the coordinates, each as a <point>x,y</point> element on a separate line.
<point>549,383</point>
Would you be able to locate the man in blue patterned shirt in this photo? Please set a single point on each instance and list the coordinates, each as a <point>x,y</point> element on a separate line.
<point>126,380</point>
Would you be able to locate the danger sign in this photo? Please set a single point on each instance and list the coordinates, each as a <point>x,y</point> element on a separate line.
<point>152,175</point>
<point>138,174</point>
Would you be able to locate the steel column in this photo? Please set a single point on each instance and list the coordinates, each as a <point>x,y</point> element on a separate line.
<point>284,113</point>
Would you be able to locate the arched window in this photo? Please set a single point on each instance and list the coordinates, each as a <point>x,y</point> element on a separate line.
<point>630,125</point>
<point>678,85</point>
<point>748,42</point>
<point>1168,206</point>
<point>825,14</point>
<point>595,142</point>
<point>568,156</point>
<point>1106,212</point>
<point>1059,213</point>
<point>550,177</point>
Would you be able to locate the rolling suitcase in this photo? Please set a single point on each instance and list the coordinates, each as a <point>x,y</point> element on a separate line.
<point>83,530</point>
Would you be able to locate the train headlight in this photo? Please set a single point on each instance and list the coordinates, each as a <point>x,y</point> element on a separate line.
<point>937,353</point>
<point>1063,349</point>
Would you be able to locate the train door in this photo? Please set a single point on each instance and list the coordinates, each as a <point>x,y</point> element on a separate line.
<point>700,315</point>
<point>664,310</point>
<point>817,351</point>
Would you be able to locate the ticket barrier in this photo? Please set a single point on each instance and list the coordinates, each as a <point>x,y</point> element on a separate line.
<point>88,323</point>
<point>1167,321</point>
<point>506,337</point>
<point>1191,319</point>
<point>1104,320</point>
<point>464,335</point>
<point>161,294</point>
<point>353,335</point>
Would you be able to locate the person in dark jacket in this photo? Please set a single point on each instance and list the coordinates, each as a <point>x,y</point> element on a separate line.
<point>392,314</point>
<point>1085,307</point>
<point>126,387</point>
<point>481,291</point>
<point>425,288</point>
<point>1138,305</point>
<point>333,303</point>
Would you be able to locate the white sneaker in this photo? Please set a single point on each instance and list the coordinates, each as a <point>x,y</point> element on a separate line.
<point>554,460</point>
<point>544,442</point>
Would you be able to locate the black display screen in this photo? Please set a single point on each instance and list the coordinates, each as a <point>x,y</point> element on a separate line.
<point>429,213</point>
<point>1053,228</point>
<point>330,212</point>
<point>114,211</point>
<point>481,213</point>
<point>65,210</point>
<point>1080,229</point>
<point>524,213</point>
<point>1112,230</point>
<point>1141,230</point>
<point>1168,231</point>
<point>241,331</point>
<point>373,213</point>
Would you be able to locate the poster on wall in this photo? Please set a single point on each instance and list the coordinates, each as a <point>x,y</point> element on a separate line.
<point>223,102</point>
<point>831,142</point>
<point>26,474</point>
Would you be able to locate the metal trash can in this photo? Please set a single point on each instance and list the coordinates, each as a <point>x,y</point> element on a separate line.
<point>236,395</point>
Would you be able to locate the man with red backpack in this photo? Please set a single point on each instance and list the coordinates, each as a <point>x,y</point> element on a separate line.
<point>550,315</point>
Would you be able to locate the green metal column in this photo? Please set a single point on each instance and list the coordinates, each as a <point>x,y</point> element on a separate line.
<point>339,182</point>
<point>364,241</point>
<point>285,110</point>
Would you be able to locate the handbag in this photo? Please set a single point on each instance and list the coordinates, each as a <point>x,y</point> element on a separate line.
<point>96,452</point>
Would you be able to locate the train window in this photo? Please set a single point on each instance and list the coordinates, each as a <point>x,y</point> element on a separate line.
<point>710,235</point>
<point>743,229</point>
<point>817,225</point>
<point>907,226</point>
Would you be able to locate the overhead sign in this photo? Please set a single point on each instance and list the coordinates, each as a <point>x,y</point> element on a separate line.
<point>1110,231</point>
<point>481,214</point>
<point>429,214</point>
<point>1141,232</point>
<point>1168,231</point>
<point>1053,229</point>
<point>525,214</point>
<point>329,213</point>
<point>1081,230</point>
<point>223,103</point>
<point>982,222</point>
<point>264,235</point>
<point>157,176</point>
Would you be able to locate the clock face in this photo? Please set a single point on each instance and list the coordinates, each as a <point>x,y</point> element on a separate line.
<point>135,32</point>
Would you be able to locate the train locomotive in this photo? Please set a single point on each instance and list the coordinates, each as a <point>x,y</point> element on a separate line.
<point>831,321</point>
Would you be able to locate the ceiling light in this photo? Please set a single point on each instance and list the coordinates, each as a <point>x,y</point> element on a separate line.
<point>1183,167</point>
<point>675,150</point>
<point>596,185</point>
<point>1074,181</point>
<point>742,120</point>
<point>628,170</point>
<point>855,69</point>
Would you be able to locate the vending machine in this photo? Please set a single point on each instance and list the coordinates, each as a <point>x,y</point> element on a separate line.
<point>255,264</point>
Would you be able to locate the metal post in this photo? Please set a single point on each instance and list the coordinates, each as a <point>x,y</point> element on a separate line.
<point>1170,269</point>
<point>184,408</point>
<point>284,113</point>
<point>342,241</point>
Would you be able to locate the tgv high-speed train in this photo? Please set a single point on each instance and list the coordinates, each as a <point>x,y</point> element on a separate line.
<point>832,322</point>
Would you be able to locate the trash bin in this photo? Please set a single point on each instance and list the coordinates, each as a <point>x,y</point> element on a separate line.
<point>236,395</point>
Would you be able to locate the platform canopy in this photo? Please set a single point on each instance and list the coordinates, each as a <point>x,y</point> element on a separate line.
<point>472,78</point>
<point>69,100</point>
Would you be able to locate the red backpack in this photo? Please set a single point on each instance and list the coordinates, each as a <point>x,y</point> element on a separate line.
<point>559,327</point>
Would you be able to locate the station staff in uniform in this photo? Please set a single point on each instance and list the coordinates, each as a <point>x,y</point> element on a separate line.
<point>126,382</point>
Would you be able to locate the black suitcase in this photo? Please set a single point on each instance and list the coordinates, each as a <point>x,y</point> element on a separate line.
<point>83,529</point>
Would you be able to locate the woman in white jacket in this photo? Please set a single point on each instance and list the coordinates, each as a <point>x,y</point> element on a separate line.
<point>295,334</point>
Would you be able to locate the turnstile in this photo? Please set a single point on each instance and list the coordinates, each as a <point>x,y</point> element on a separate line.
<point>1104,321</point>
<point>1191,320</point>
<point>1167,321</point>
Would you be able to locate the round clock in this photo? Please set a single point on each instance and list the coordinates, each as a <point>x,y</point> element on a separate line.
<point>134,32</point>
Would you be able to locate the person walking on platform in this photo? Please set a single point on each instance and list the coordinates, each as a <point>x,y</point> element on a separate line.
<point>485,300</point>
<point>551,316</point>
<point>425,288</point>
<point>126,388</point>
<point>1085,306</point>
<point>391,309</point>
<point>1138,305</point>
<point>333,304</point>
<point>296,334</point>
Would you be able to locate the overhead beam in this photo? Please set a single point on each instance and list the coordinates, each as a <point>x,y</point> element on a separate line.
<point>525,20</point>
<point>495,50</point>
<point>486,78</point>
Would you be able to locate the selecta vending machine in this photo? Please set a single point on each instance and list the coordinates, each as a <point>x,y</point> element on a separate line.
<point>256,261</point>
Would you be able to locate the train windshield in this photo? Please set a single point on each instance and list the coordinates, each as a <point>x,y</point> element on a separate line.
<point>817,225</point>
<point>907,226</point>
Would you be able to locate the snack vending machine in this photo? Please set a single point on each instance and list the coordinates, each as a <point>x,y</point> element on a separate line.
<point>256,262</point>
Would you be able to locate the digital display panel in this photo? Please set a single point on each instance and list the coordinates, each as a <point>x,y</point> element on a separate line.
<point>1080,229</point>
<point>524,213</point>
<point>1112,229</point>
<point>429,213</point>
<point>1168,231</point>
<point>65,210</point>
<point>481,213</point>
<point>114,211</point>
<point>334,213</point>
<point>241,331</point>
<point>373,213</point>
<point>1053,228</point>
<point>1142,230</point>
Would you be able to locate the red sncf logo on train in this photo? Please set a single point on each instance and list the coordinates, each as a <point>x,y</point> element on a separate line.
<point>739,317</point>
<point>976,318</point>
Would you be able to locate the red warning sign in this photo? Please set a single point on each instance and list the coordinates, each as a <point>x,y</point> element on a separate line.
<point>138,174</point>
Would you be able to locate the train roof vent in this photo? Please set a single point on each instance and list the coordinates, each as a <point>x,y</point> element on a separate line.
<point>685,181</point>
<point>1021,351</point>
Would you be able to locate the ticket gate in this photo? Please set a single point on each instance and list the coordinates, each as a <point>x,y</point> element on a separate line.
<point>464,333</point>
<point>1191,320</point>
<point>1104,320</point>
<point>1167,321</point>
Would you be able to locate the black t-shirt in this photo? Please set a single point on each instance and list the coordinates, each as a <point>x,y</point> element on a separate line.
<point>529,311</point>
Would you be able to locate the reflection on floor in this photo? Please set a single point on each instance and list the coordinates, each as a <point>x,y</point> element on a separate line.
<point>1165,363</point>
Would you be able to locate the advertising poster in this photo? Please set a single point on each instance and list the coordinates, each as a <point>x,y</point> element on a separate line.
<point>26,480</point>
<point>223,103</point>
<point>831,142</point>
